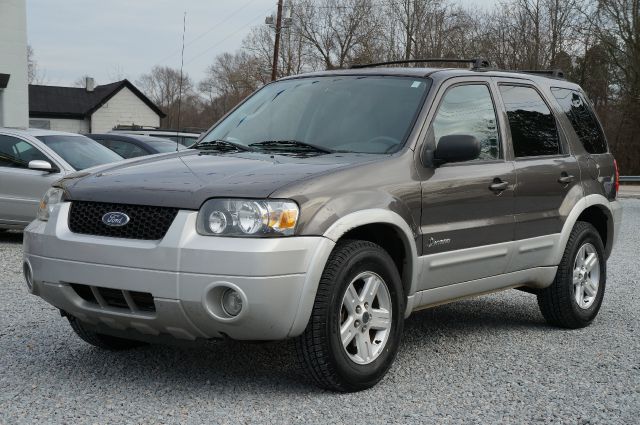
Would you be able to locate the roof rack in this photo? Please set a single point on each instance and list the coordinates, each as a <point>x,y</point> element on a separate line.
<point>556,73</point>
<point>476,63</point>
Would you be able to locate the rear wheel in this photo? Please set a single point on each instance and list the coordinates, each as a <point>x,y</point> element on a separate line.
<point>99,340</point>
<point>574,298</point>
<point>356,324</point>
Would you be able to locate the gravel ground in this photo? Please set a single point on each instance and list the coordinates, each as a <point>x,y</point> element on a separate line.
<point>485,360</point>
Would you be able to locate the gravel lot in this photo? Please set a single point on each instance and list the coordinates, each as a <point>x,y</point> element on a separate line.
<point>485,360</point>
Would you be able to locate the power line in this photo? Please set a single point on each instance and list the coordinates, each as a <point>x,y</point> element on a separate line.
<point>240,29</point>
<point>207,31</point>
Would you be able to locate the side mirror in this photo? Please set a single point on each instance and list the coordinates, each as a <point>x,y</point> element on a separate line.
<point>41,166</point>
<point>456,148</point>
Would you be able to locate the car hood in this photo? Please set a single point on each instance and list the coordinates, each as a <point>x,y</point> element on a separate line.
<point>187,179</point>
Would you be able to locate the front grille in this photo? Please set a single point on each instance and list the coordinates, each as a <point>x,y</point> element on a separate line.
<point>133,301</point>
<point>145,222</point>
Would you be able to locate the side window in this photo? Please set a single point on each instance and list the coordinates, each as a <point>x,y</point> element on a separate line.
<point>17,153</point>
<point>582,118</point>
<point>533,127</point>
<point>124,149</point>
<point>468,109</point>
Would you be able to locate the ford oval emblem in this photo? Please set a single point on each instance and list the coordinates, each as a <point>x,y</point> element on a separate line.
<point>115,219</point>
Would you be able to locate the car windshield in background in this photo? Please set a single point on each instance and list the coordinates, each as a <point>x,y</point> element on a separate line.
<point>164,147</point>
<point>372,114</point>
<point>79,151</point>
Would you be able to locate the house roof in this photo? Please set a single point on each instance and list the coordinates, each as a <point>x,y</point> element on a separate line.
<point>77,102</point>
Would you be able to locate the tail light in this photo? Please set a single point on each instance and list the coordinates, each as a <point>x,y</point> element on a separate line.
<point>616,183</point>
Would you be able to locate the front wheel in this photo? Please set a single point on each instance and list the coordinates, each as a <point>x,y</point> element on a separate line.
<point>356,324</point>
<point>574,298</point>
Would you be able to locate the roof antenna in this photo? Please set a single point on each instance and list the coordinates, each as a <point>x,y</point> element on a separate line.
<point>184,29</point>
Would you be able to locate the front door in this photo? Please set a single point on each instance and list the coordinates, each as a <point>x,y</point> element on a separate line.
<point>467,208</point>
<point>21,188</point>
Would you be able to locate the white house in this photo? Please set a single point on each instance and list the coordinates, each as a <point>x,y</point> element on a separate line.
<point>13,64</point>
<point>92,109</point>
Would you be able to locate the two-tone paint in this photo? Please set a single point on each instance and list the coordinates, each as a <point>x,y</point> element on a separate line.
<point>496,240</point>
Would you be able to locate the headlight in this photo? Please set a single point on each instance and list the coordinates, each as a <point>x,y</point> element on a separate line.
<point>52,197</point>
<point>247,217</point>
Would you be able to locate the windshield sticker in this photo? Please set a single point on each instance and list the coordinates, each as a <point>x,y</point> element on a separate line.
<point>416,84</point>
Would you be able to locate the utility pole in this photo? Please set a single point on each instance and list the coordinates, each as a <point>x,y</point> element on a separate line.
<point>276,45</point>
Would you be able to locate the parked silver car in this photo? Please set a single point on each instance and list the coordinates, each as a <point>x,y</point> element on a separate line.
<point>31,160</point>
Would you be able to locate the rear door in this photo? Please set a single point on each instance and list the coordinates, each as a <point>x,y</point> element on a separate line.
<point>21,188</point>
<point>548,176</point>
<point>467,207</point>
<point>592,153</point>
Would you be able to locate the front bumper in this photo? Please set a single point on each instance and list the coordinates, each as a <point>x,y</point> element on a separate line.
<point>185,273</point>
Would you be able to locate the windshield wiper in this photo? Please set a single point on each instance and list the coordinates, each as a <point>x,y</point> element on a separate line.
<point>291,145</point>
<point>221,146</point>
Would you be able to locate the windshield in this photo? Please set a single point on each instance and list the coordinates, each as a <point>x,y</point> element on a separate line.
<point>80,152</point>
<point>372,114</point>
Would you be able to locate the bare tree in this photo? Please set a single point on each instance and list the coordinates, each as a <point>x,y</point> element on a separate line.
<point>617,27</point>
<point>162,85</point>
<point>336,29</point>
<point>35,75</point>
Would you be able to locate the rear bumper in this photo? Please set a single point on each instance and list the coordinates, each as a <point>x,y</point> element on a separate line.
<point>616,213</point>
<point>185,273</point>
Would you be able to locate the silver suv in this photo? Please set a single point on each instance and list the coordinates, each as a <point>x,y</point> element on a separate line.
<point>328,207</point>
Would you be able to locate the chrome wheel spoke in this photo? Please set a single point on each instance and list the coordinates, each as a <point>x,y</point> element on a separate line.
<point>347,331</point>
<point>590,288</point>
<point>580,257</point>
<point>351,299</point>
<point>380,319</point>
<point>371,285</point>
<point>590,262</point>
<point>580,296</point>
<point>364,347</point>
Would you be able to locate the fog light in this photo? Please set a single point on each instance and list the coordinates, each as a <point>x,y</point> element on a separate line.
<point>28,275</point>
<point>231,302</point>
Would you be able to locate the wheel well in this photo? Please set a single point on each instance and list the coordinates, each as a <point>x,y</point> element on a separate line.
<point>390,239</point>
<point>599,220</point>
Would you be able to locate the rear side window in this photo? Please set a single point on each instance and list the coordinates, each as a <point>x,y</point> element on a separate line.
<point>124,149</point>
<point>582,118</point>
<point>533,127</point>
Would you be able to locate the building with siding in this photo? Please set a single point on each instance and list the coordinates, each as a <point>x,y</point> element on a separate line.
<point>91,109</point>
<point>13,63</point>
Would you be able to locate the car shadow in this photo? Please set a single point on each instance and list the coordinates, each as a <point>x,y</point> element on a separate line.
<point>220,365</point>
<point>10,236</point>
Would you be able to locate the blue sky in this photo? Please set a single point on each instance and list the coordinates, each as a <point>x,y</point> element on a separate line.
<point>111,38</point>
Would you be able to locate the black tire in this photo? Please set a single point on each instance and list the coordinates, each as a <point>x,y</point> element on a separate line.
<point>320,348</point>
<point>557,302</point>
<point>106,342</point>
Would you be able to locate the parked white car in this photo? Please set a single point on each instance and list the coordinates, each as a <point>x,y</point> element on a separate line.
<point>31,160</point>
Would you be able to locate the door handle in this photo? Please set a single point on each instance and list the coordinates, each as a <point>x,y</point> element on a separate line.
<point>498,185</point>
<point>566,178</point>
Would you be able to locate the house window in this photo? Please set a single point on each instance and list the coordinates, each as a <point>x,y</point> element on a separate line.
<point>41,124</point>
